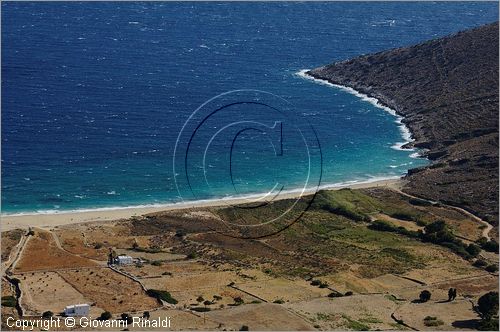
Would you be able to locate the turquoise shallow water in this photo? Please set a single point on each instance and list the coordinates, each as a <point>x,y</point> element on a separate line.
<point>94,96</point>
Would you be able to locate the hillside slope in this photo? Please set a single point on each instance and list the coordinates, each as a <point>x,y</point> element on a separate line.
<point>447,91</point>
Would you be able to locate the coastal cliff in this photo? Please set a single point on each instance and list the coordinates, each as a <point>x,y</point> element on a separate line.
<point>447,91</point>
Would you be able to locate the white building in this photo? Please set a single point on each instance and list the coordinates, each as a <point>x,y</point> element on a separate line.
<point>124,260</point>
<point>77,310</point>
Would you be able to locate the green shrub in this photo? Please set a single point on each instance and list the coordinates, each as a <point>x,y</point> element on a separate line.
<point>457,248</point>
<point>329,202</point>
<point>315,282</point>
<point>403,216</point>
<point>156,263</point>
<point>473,250</point>
<point>419,202</point>
<point>384,226</point>
<point>355,325</point>
<point>487,305</point>
<point>106,315</point>
<point>47,314</point>
<point>161,295</point>
<point>480,263</point>
<point>435,226</point>
<point>279,301</point>
<point>200,309</point>
<point>432,321</point>
<point>126,317</point>
<point>424,296</point>
<point>491,246</point>
<point>488,325</point>
<point>9,301</point>
<point>492,268</point>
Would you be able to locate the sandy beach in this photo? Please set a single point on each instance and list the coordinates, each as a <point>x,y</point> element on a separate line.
<point>9,222</point>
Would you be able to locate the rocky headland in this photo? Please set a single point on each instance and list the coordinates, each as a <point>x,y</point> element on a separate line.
<point>447,91</point>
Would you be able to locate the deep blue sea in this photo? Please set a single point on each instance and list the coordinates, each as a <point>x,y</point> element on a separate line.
<point>94,96</point>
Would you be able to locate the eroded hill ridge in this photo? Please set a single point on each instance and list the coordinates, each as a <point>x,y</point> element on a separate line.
<point>447,91</point>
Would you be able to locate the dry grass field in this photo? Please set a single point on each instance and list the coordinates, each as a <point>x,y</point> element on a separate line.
<point>9,240</point>
<point>332,270</point>
<point>8,296</point>
<point>43,253</point>
<point>43,291</point>
<point>357,312</point>
<point>261,317</point>
<point>109,290</point>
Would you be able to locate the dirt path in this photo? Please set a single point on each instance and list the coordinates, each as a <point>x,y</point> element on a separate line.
<point>19,252</point>
<point>14,254</point>
<point>59,245</point>
<point>486,230</point>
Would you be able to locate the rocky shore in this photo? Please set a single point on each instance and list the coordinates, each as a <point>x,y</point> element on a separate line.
<point>447,91</point>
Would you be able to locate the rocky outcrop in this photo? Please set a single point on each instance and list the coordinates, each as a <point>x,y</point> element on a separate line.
<point>447,91</point>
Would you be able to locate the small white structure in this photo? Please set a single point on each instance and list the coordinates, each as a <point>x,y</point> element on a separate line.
<point>77,310</point>
<point>124,260</point>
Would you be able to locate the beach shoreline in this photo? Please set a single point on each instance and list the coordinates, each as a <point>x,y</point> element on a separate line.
<point>403,129</point>
<point>50,220</point>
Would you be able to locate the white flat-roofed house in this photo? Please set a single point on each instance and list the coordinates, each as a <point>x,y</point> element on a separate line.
<point>124,260</point>
<point>77,310</point>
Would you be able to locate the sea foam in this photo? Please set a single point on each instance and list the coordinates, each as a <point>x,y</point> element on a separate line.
<point>405,132</point>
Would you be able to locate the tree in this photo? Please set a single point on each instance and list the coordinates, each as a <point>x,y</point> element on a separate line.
<point>473,249</point>
<point>491,246</point>
<point>200,299</point>
<point>492,268</point>
<point>146,315</point>
<point>126,317</point>
<point>487,305</point>
<point>435,227</point>
<point>488,325</point>
<point>161,295</point>
<point>106,315</point>
<point>425,296</point>
<point>9,301</point>
<point>480,263</point>
<point>244,328</point>
<point>315,282</point>
<point>47,314</point>
<point>238,300</point>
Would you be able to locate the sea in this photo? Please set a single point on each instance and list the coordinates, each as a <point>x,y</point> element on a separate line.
<point>107,105</point>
